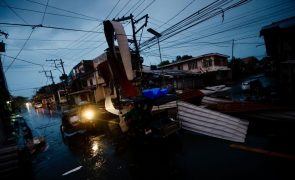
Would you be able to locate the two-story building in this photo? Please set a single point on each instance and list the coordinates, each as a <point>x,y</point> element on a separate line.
<point>83,82</point>
<point>102,76</point>
<point>213,64</point>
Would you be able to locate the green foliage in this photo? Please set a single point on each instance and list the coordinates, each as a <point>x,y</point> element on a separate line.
<point>177,59</point>
<point>181,58</point>
<point>163,63</point>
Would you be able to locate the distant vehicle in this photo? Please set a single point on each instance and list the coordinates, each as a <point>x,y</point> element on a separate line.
<point>79,119</point>
<point>250,84</point>
<point>245,86</point>
<point>38,105</point>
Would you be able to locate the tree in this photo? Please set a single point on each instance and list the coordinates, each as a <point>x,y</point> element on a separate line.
<point>181,58</point>
<point>184,57</point>
<point>163,63</point>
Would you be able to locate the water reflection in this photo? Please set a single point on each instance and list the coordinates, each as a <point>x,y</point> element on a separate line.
<point>28,106</point>
<point>96,146</point>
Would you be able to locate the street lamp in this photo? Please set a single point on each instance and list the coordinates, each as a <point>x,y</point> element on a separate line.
<point>158,35</point>
<point>155,33</point>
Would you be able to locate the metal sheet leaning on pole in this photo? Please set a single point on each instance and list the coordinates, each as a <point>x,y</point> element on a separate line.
<point>121,69</point>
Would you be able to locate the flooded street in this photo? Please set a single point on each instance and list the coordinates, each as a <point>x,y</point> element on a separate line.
<point>99,154</point>
<point>106,154</point>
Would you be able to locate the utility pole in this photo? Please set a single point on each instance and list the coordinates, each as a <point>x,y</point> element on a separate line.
<point>48,76</point>
<point>61,63</point>
<point>63,77</point>
<point>134,31</point>
<point>134,40</point>
<point>232,49</point>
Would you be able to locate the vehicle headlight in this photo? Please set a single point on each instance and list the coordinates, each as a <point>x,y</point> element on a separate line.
<point>88,114</point>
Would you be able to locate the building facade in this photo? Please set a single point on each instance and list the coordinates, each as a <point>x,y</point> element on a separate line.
<point>280,47</point>
<point>213,67</point>
<point>83,82</point>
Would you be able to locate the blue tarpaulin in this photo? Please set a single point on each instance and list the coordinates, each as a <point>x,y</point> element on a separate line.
<point>154,92</point>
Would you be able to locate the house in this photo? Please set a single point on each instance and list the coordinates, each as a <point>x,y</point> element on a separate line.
<point>249,60</point>
<point>83,82</point>
<point>213,66</point>
<point>102,87</point>
<point>4,112</point>
<point>111,71</point>
<point>279,40</point>
<point>175,79</point>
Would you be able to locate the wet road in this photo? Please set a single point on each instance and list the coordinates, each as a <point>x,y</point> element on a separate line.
<point>106,154</point>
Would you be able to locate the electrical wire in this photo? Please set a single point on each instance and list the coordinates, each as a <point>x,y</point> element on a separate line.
<point>27,61</point>
<point>194,19</point>
<point>122,8</point>
<point>177,14</point>
<point>213,26</point>
<point>113,9</point>
<point>52,40</point>
<point>19,51</point>
<point>44,12</point>
<point>49,13</point>
<point>15,12</point>
<point>53,7</point>
<point>49,27</point>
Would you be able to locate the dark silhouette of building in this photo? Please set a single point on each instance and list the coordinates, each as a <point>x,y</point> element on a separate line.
<point>279,40</point>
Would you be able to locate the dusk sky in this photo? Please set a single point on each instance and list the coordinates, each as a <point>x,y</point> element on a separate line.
<point>27,48</point>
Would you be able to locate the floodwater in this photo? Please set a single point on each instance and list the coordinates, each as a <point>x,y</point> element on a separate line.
<point>107,154</point>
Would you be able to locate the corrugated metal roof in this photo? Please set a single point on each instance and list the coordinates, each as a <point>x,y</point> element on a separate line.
<point>194,58</point>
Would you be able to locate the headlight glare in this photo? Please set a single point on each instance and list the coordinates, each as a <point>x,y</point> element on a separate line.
<point>88,114</point>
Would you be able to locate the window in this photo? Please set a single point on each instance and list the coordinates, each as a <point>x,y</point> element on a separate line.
<point>192,65</point>
<point>207,63</point>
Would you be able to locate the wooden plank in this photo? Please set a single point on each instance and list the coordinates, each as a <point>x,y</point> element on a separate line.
<point>262,151</point>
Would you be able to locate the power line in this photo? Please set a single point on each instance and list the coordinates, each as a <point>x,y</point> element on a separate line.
<point>19,51</point>
<point>112,9</point>
<point>134,5</point>
<point>122,8</point>
<point>199,16</point>
<point>49,27</point>
<point>177,13</point>
<point>241,25</point>
<point>44,12</point>
<point>49,13</point>
<point>53,40</point>
<point>53,49</point>
<point>237,18</point>
<point>30,62</point>
<point>137,7</point>
<point>142,11</point>
<point>64,10</point>
<point>15,12</point>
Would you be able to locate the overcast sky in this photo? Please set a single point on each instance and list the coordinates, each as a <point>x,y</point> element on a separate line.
<point>213,35</point>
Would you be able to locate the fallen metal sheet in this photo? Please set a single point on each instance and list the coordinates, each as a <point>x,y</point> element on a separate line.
<point>211,123</point>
